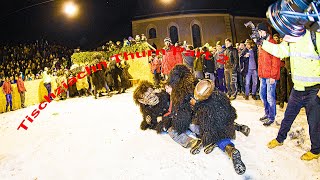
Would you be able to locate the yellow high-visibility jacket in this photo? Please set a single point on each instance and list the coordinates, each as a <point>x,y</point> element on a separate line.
<point>304,61</point>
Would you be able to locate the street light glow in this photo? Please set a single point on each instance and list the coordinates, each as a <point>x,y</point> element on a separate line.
<point>70,9</point>
<point>166,1</point>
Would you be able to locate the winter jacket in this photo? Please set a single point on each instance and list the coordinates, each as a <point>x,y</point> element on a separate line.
<point>7,89</point>
<point>198,64</point>
<point>244,61</point>
<point>155,65</point>
<point>20,85</point>
<point>268,65</point>
<point>209,64</point>
<point>170,59</point>
<point>217,57</point>
<point>233,59</point>
<point>304,61</point>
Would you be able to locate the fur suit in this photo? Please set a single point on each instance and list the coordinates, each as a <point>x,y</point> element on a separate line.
<point>99,80</point>
<point>72,89</point>
<point>154,111</point>
<point>182,82</point>
<point>215,116</point>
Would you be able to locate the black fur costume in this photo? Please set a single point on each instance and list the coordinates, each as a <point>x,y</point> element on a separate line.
<point>99,78</point>
<point>72,89</point>
<point>98,72</point>
<point>215,116</point>
<point>153,111</point>
<point>182,82</point>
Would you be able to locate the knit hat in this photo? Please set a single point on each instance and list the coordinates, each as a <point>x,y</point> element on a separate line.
<point>262,26</point>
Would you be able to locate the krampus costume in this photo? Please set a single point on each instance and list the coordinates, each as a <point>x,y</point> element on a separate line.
<point>215,116</point>
<point>153,105</point>
<point>98,77</point>
<point>72,89</point>
<point>180,113</point>
<point>213,120</point>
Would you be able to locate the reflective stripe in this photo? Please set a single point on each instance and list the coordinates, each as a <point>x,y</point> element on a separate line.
<point>307,79</point>
<point>304,55</point>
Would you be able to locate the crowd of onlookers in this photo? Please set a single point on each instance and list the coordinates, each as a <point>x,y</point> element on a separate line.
<point>244,69</point>
<point>30,59</point>
<point>233,69</point>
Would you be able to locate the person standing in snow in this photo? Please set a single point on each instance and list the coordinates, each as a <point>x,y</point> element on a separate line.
<point>21,90</point>
<point>7,90</point>
<point>305,68</point>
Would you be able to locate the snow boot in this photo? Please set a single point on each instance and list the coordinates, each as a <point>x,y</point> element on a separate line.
<point>234,154</point>
<point>196,148</point>
<point>245,130</point>
<point>11,108</point>
<point>308,156</point>
<point>274,143</point>
<point>6,108</point>
<point>264,118</point>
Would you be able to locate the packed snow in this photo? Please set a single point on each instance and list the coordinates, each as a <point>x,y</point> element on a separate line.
<point>84,138</point>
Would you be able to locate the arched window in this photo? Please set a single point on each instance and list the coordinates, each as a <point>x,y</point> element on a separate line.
<point>174,34</point>
<point>196,35</point>
<point>152,33</point>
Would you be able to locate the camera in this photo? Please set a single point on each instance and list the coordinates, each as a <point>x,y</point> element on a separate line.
<point>255,34</point>
<point>293,17</point>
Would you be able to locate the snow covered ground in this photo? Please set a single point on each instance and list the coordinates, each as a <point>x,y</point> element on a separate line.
<point>84,138</point>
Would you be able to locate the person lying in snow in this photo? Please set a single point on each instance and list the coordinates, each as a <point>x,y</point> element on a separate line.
<point>215,117</point>
<point>186,113</point>
<point>213,114</point>
<point>153,104</point>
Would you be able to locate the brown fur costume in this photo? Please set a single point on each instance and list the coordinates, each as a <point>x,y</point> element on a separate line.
<point>182,82</point>
<point>153,111</point>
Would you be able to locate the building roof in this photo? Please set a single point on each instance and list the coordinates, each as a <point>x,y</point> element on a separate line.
<point>149,9</point>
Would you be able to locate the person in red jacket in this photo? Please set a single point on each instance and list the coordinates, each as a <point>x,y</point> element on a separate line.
<point>21,90</point>
<point>155,64</point>
<point>7,90</point>
<point>171,58</point>
<point>269,73</point>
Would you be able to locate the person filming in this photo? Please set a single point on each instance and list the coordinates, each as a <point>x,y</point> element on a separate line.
<point>305,69</point>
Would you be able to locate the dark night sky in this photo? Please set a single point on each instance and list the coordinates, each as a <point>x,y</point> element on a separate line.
<point>100,20</point>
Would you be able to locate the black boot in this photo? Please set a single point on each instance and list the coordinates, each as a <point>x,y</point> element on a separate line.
<point>196,148</point>
<point>11,108</point>
<point>6,108</point>
<point>245,130</point>
<point>242,128</point>
<point>234,154</point>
